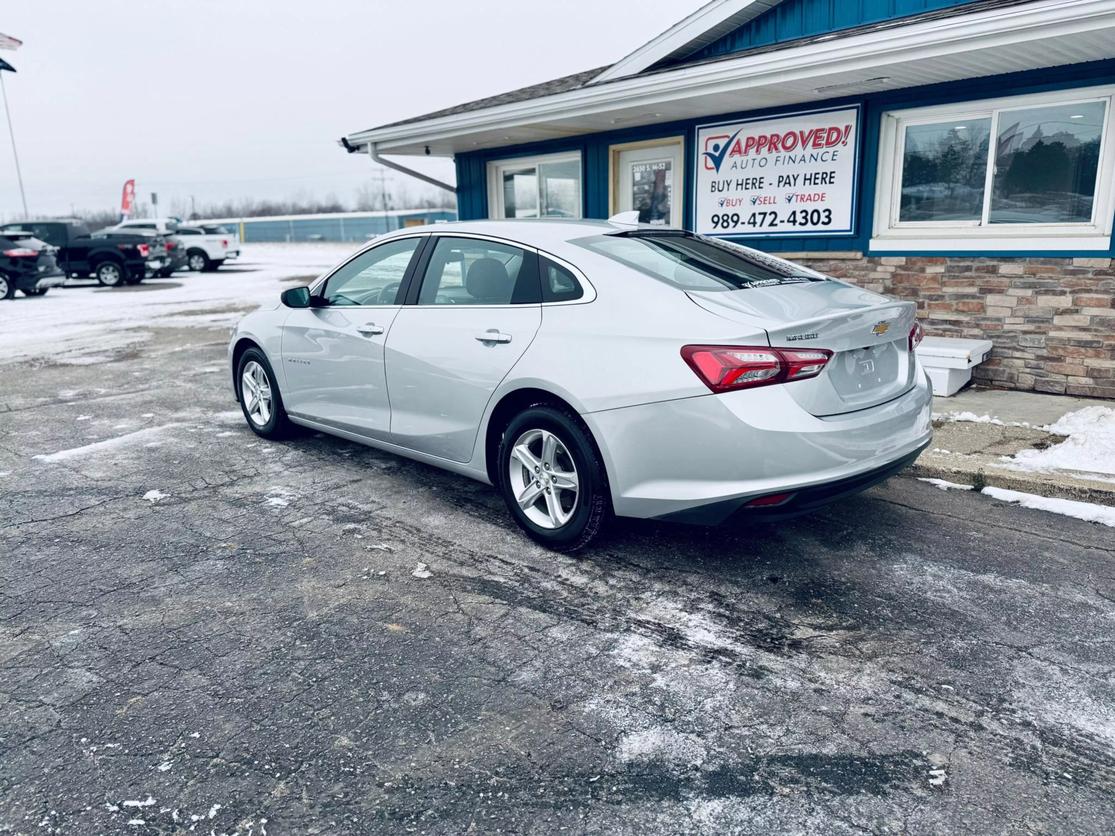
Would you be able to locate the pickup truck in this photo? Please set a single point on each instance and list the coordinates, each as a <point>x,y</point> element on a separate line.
<point>122,258</point>
<point>207,247</point>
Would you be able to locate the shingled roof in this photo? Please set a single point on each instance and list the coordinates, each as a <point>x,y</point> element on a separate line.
<point>534,91</point>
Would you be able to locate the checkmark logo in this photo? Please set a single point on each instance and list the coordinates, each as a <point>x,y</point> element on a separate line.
<point>719,151</point>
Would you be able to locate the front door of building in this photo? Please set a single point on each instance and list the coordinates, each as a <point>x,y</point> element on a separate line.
<point>647,177</point>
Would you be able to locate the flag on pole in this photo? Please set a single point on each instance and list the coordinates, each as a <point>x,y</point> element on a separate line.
<point>8,42</point>
<point>127,199</point>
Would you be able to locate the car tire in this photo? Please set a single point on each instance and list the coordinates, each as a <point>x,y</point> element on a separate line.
<point>269,421</point>
<point>215,264</point>
<point>110,274</point>
<point>197,260</point>
<point>165,274</point>
<point>7,287</point>
<point>557,446</point>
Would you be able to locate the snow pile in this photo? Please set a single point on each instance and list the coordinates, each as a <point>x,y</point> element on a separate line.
<point>1103,514</point>
<point>1090,446</point>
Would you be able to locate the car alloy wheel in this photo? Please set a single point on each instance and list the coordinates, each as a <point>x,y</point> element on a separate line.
<point>110,274</point>
<point>543,478</point>
<point>5,287</point>
<point>196,262</point>
<point>255,389</point>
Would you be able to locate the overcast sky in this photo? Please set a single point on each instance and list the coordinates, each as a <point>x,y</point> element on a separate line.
<point>223,99</point>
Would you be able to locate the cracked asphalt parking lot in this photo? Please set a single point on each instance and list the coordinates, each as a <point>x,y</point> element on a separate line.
<point>204,632</point>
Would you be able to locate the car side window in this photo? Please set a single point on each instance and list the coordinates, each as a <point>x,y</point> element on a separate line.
<point>373,277</point>
<point>558,283</point>
<point>473,271</point>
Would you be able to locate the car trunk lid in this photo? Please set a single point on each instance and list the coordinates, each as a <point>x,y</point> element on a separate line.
<point>867,333</point>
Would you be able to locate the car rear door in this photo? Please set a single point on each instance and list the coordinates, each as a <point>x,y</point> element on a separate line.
<point>470,316</point>
<point>333,352</point>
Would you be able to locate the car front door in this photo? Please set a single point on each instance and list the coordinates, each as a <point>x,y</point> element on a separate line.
<point>468,320</point>
<point>333,352</point>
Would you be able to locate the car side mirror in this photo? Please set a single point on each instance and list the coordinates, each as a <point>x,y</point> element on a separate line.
<point>296,297</point>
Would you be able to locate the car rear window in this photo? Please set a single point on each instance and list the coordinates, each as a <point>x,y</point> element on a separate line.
<point>692,262</point>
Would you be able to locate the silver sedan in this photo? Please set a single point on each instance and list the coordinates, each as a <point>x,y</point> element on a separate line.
<point>590,369</point>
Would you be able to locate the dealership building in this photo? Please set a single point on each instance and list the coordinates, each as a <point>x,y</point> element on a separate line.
<point>957,154</point>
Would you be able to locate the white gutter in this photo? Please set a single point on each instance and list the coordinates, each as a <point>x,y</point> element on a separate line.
<point>410,172</point>
<point>835,54</point>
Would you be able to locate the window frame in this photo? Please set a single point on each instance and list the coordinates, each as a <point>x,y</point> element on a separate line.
<point>589,292</point>
<point>416,263</point>
<point>496,206</point>
<point>890,233</point>
<point>422,272</point>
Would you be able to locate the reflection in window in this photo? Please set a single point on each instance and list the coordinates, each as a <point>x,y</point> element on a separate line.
<point>944,167</point>
<point>520,193</point>
<point>538,188</point>
<point>561,189</point>
<point>1046,160</point>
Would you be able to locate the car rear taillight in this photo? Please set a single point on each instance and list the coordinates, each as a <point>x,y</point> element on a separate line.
<point>170,245</point>
<point>224,243</point>
<point>21,252</point>
<point>724,368</point>
<point>144,249</point>
<point>917,334</point>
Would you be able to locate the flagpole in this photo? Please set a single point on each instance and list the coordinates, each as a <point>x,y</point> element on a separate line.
<point>15,154</point>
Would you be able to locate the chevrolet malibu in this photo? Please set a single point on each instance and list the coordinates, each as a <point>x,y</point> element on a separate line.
<point>589,369</point>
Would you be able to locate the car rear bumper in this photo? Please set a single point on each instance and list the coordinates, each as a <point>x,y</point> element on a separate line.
<point>703,459</point>
<point>55,279</point>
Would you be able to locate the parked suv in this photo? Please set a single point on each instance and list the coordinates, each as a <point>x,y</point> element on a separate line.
<point>122,258</point>
<point>27,264</point>
<point>205,250</point>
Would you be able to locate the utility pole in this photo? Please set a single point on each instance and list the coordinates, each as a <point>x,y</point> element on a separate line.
<point>6,41</point>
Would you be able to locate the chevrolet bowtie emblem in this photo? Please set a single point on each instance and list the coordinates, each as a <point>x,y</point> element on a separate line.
<point>880,328</point>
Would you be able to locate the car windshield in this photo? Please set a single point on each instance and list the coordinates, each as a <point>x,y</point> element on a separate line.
<point>692,262</point>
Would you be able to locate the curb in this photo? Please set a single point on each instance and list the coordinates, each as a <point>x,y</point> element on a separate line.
<point>1059,485</point>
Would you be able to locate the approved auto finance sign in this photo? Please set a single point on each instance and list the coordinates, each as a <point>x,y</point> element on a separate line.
<point>785,175</point>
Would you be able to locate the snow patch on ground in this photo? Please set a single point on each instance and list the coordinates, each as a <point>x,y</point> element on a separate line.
<point>1103,514</point>
<point>944,484</point>
<point>279,497</point>
<point>972,418</point>
<point>421,571</point>
<point>1088,448</point>
<point>81,323</point>
<point>154,496</point>
<point>108,445</point>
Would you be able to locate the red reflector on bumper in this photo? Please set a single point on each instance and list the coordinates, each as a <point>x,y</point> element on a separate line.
<point>770,500</point>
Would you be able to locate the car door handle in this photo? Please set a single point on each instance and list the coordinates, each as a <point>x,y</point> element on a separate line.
<point>369,329</point>
<point>493,336</point>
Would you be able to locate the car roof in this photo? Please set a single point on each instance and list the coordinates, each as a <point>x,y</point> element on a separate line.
<point>533,231</point>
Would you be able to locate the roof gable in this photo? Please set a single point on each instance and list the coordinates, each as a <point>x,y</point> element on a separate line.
<point>793,19</point>
<point>705,26</point>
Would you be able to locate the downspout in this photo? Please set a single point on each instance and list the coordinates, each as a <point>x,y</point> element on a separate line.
<point>410,172</point>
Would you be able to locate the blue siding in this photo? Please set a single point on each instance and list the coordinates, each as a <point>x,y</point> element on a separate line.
<point>794,19</point>
<point>594,148</point>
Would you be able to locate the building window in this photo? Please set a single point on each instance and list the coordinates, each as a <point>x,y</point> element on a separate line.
<point>1022,173</point>
<point>535,187</point>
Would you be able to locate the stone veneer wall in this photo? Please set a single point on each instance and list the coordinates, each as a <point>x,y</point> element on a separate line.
<point>1052,320</point>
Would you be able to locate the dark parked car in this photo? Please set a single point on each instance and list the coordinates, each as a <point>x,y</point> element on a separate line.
<point>28,265</point>
<point>123,258</point>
